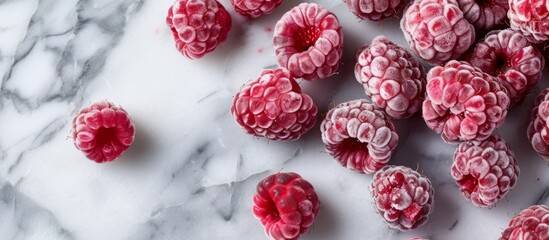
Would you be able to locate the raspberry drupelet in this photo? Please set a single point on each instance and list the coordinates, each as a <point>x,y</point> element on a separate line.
<point>375,9</point>
<point>255,8</point>
<point>402,197</point>
<point>359,136</point>
<point>102,131</point>
<point>392,78</point>
<point>286,205</point>
<point>485,15</point>
<point>538,129</point>
<point>531,18</point>
<point>308,41</point>
<point>531,223</point>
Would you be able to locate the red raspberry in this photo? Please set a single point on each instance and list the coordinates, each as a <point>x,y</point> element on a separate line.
<point>286,205</point>
<point>198,26</point>
<point>274,107</point>
<point>402,196</point>
<point>531,18</point>
<point>507,55</point>
<point>463,103</point>
<point>375,9</point>
<point>360,137</point>
<point>308,41</point>
<point>485,171</point>
<point>391,77</point>
<point>102,131</point>
<point>437,30</point>
<point>530,224</point>
<point>538,130</point>
<point>484,14</point>
<point>255,8</point>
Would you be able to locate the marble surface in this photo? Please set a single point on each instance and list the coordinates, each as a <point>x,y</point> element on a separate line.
<point>191,172</point>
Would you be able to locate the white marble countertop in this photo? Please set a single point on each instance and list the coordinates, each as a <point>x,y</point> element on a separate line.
<point>191,172</point>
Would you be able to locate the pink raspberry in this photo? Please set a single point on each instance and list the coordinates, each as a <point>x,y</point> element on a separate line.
<point>375,9</point>
<point>391,77</point>
<point>286,205</point>
<point>402,196</point>
<point>530,224</point>
<point>437,30</point>
<point>484,14</point>
<point>274,107</point>
<point>538,130</point>
<point>531,18</point>
<point>463,103</point>
<point>102,131</point>
<point>198,26</point>
<point>308,41</point>
<point>255,8</point>
<point>485,171</point>
<point>507,55</point>
<point>358,136</point>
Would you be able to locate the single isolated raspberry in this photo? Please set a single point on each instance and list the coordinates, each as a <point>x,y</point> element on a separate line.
<point>530,224</point>
<point>463,103</point>
<point>102,131</point>
<point>436,30</point>
<point>538,129</point>
<point>485,170</point>
<point>375,9</point>
<point>198,26</point>
<point>531,18</point>
<point>507,55</point>
<point>359,136</point>
<point>308,41</point>
<point>402,196</point>
<point>255,8</point>
<point>274,107</point>
<point>392,78</point>
<point>286,205</point>
<point>485,15</point>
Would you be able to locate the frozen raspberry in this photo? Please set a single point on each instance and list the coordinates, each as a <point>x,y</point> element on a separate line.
<point>531,18</point>
<point>308,41</point>
<point>358,136</point>
<point>375,9</point>
<point>484,14</point>
<point>255,8</point>
<point>538,130</point>
<point>402,196</point>
<point>437,30</point>
<point>198,26</point>
<point>530,224</point>
<point>507,55</point>
<point>392,78</point>
<point>102,131</point>
<point>286,205</point>
<point>485,170</point>
<point>463,103</point>
<point>274,107</point>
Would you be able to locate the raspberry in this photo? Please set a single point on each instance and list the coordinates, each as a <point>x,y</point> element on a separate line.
<point>198,26</point>
<point>531,223</point>
<point>436,30</point>
<point>538,129</point>
<point>255,8</point>
<point>375,9</point>
<point>308,41</point>
<point>102,131</point>
<point>484,14</point>
<point>274,107</point>
<point>286,205</point>
<point>507,55</point>
<point>485,171</point>
<point>358,136</point>
<point>402,196</point>
<point>531,18</point>
<point>391,77</point>
<point>463,103</point>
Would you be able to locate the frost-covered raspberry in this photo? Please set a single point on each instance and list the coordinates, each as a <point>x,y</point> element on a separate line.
<point>286,205</point>
<point>530,224</point>
<point>485,170</point>
<point>308,41</point>
<point>538,130</point>
<point>392,78</point>
<point>531,18</point>
<point>463,103</point>
<point>255,8</point>
<point>274,107</point>
<point>359,136</point>
<point>402,196</point>
<point>507,55</point>
<point>436,30</point>
<point>198,26</point>
<point>484,14</point>
<point>102,131</point>
<point>375,9</point>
